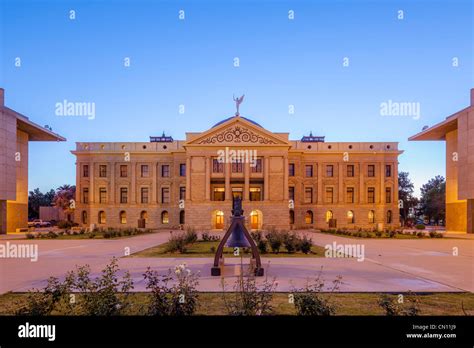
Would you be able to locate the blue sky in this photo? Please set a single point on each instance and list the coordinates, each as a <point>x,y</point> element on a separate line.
<point>282,62</point>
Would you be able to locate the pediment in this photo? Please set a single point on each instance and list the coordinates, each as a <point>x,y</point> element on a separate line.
<point>237,131</point>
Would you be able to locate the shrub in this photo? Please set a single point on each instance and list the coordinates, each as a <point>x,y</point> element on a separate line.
<point>420,227</point>
<point>434,234</point>
<point>262,246</point>
<point>213,249</point>
<point>420,234</point>
<point>176,243</point>
<point>30,236</point>
<point>256,236</point>
<point>190,236</point>
<point>63,224</point>
<point>91,235</point>
<point>205,237</point>
<point>392,307</point>
<point>51,234</point>
<point>107,235</point>
<point>392,234</point>
<point>248,299</point>
<point>274,240</point>
<point>291,242</point>
<point>305,245</point>
<point>311,301</point>
<point>177,300</point>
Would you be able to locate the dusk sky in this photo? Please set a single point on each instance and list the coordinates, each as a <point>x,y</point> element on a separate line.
<point>190,62</point>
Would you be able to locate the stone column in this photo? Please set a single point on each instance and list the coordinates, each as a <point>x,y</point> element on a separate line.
<point>285,178</point>
<point>228,191</point>
<point>266,170</point>
<point>319,199</point>
<point>112,182</point>
<point>246,180</point>
<point>91,183</point>
<point>188,178</point>
<point>208,178</point>
<point>382,182</point>
<point>78,183</point>
<point>470,216</point>
<point>154,188</point>
<point>133,190</point>
<point>340,191</point>
<point>361,183</point>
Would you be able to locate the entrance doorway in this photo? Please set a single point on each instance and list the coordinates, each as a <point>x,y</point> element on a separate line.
<point>218,219</point>
<point>256,220</point>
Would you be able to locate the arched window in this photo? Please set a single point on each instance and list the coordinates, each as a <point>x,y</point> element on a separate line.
<point>389,217</point>
<point>350,217</point>
<point>144,215</point>
<point>292,216</point>
<point>84,217</point>
<point>371,217</point>
<point>308,217</point>
<point>165,217</point>
<point>123,217</point>
<point>101,217</point>
<point>181,217</point>
<point>329,215</point>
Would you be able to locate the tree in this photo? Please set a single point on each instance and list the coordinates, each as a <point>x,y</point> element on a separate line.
<point>63,197</point>
<point>405,194</point>
<point>37,199</point>
<point>433,198</point>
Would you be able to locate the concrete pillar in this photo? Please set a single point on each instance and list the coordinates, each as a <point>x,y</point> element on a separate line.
<point>319,199</point>
<point>208,178</point>
<point>112,182</point>
<point>3,217</point>
<point>133,190</point>
<point>382,183</point>
<point>285,179</point>
<point>361,183</point>
<point>91,183</point>
<point>340,191</point>
<point>154,173</point>
<point>188,178</point>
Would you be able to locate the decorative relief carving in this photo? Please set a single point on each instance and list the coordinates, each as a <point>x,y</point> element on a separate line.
<point>237,134</point>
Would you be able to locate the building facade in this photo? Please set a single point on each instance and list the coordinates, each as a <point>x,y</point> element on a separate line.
<point>16,131</point>
<point>457,131</point>
<point>283,183</point>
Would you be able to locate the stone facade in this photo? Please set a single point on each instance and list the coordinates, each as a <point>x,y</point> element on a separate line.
<point>284,183</point>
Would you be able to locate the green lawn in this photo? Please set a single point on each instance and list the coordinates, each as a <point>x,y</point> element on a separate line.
<point>203,249</point>
<point>346,303</point>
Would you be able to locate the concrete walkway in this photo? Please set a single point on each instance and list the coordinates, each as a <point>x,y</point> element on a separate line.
<point>394,265</point>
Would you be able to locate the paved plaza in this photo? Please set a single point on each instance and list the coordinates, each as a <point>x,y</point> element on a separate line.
<point>393,265</point>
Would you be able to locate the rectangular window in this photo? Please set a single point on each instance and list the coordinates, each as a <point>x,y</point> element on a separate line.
<point>309,171</point>
<point>330,171</point>
<point>85,195</point>
<point>182,192</point>
<point>219,194</point>
<point>144,195</point>
<point>350,195</point>
<point>182,169</point>
<point>291,193</point>
<point>350,170</point>
<point>388,195</point>
<point>257,168</point>
<point>371,170</point>
<point>123,171</point>
<point>165,171</point>
<point>371,195</point>
<point>123,195</point>
<point>85,171</point>
<point>388,170</point>
<point>144,170</point>
<point>237,167</point>
<point>329,195</point>
<point>255,194</point>
<point>102,171</point>
<point>291,169</point>
<point>102,195</point>
<point>308,195</point>
<point>217,166</point>
<point>165,195</point>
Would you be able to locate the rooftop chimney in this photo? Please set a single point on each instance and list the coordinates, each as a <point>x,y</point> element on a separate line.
<point>2,97</point>
<point>472,96</point>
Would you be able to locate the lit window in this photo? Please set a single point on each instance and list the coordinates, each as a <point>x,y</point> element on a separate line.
<point>308,217</point>
<point>165,217</point>
<point>123,217</point>
<point>350,217</point>
<point>371,217</point>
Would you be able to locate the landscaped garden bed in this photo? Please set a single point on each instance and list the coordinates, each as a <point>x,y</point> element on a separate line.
<point>389,234</point>
<point>82,233</point>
